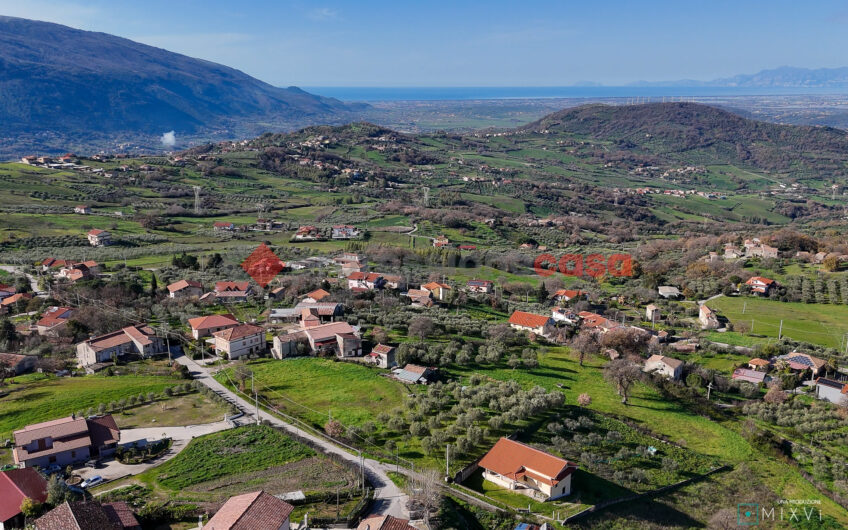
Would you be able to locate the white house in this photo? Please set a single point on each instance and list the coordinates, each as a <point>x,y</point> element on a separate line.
<point>529,322</point>
<point>666,366</point>
<point>524,469</point>
<point>831,390</point>
<point>99,238</point>
<point>241,340</point>
<point>185,289</point>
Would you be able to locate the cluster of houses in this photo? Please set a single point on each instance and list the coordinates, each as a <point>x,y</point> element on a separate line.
<point>72,271</point>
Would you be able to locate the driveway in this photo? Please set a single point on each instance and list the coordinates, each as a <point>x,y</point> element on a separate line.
<point>388,498</point>
<point>33,281</point>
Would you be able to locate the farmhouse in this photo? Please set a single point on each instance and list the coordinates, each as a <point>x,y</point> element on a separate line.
<point>801,362</point>
<point>707,318</point>
<point>394,281</point>
<point>759,364</point>
<point>382,355</point>
<point>529,322</point>
<point>597,323</point>
<point>241,340</point>
<point>10,301</point>
<point>832,390</point>
<point>65,441</point>
<point>99,238</point>
<point>566,295</point>
<point>480,286</point>
<point>82,209</point>
<point>15,486</point>
<point>344,232</point>
<point>760,285</point>
<point>185,289</point>
<point>232,291</point>
<point>307,233</point>
<point>665,366</point>
<point>365,280</point>
<point>337,338</point>
<point>440,241</point>
<point>440,291</point>
<point>6,291</point>
<point>221,225</point>
<point>132,340</point>
<point>420,298</point>
<point>326,311</point>
<point>205,326</point>
<point>252,511</point>
<point>652,313</point>
<point>516,466</point>
<point>561,314</point>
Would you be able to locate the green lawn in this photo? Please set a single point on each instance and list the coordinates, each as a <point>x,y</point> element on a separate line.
<point>313,388</point>
<point>238,450</point>
<point>189,409</point>
<point>55,397</point>
<point>822,324</point>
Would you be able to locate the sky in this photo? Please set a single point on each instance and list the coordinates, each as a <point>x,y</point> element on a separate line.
<point>411,43</point>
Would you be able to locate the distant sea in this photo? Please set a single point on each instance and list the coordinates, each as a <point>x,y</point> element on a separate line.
<point>469,93</point>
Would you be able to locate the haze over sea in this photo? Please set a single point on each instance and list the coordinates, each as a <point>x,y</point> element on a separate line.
<point>471,93</point>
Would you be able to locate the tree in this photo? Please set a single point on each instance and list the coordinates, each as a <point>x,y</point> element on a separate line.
<point>585,343</point>
<point>584,400</point>
<point>57,492</point>
<point>334,429</point>
<point>775,394</point>
<point>30,508</point>
<point>429,493</point>
<point>242,373</point>
<point>622,373</point>
<point>379,335</point>
<point>421,327</point>
<point>153,284</point>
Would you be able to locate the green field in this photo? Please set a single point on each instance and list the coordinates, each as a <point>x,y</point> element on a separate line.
<point>822,324</point>
<point>313,389</point>
<point>234,451</point>
<point>54,397</point>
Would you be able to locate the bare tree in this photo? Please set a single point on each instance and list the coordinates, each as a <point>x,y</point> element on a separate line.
<point>622,373</point>
<point>428,495</point>
<point>421,327</point>
<point>585,343</point>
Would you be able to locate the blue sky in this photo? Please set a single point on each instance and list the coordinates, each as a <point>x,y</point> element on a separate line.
<point>460,43</point>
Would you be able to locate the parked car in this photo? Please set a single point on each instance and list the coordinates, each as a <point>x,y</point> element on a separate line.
<point>55,468</point>
<point>92,481</point>
<point>7,467</point>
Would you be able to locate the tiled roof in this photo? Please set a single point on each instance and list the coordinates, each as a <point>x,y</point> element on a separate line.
<point>357,276</point>
<point>212,321</point>
<point>528,320</point>
<point>120,512</point>
<point>326,331</point>
<point>15,486</point>
<point>231,286</point>
<point>382,349</point>
<point>512,459</point>
<point>435,285</point>
<point>756,361</point>
<point>804,359</point>
<point>54,316</point>
<point>238,332</point>
<point>140,333</point>
<point>318,294</point>
<point>752,376</point>
<point>830,383</point>
<point>15,298</point>
<point>384,522</point>
<point>251,511</point>
<point>76,516</point>
<point>96,232</point>
<point>11,360</point>
<point>480,283</point>
<point>569,293</point>
<point>183,284</point>
<point>668,361</point>
<point>759,279</point>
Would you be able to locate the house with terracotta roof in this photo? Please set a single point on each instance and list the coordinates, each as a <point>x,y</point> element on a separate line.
<point>222,225</point>
<point>7,291</point>
<point>239,341</point>
<point>89,515</point>
<point>801,362</point>
<point>382,355</point>
<point>315,296</point>
<point>185,289</point>
<point>326,311</point>
<point>344,232</point>
<point>419,297</point>
<point>665,366</point>
<point>440,290</point>
<point>65,441</point>
<point>832,390</point>
<point>10,301</point>
<point>566,295</point>
<point>252,511</point>
<point>99,238</point>
<point>82,209</point>
<point>307,233</point>
<point>441,241</point>
<point>15,486</point>
<point>414,374</point>
<point>384,522</point>
<point>16,363</point>
<point>524,469</point>
<point>758,364</point>
<point>707,318</point>
<point>394,281</point>
<point>339,339</point>
<point>232,291</point>
<point>530,322</point>
<point>760,285</point>
<point>480,286</point>
<point>138,340</point>
<point>596,323</point>
<point>365,280</point>
<point>206,326</point>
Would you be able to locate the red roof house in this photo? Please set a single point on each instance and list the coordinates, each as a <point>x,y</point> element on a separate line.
<point>519,467</point>
<point>252,511</point>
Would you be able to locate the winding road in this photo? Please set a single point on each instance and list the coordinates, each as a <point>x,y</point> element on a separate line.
<point>388,498</point>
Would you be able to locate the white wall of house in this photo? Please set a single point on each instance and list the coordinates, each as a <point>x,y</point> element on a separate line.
<point>240,347</point>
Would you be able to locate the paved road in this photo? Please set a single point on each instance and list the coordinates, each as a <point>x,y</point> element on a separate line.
<point>33,281</point>
<point>388,498</point>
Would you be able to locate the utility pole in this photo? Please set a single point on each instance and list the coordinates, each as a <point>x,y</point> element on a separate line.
<point>255,396</point>
<point>780,331</point>
<point>447,460</point>
<point>744,306</point>
<point>709,389</point>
